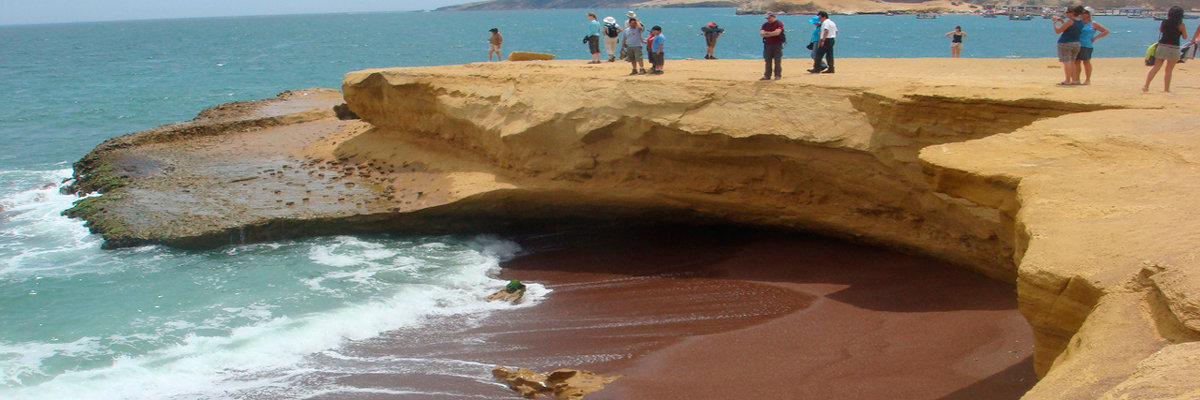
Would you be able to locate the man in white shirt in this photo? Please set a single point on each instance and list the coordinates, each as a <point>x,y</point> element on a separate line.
<point>825,45</point>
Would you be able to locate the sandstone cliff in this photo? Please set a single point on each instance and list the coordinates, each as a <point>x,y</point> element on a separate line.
<point>1078,195</point>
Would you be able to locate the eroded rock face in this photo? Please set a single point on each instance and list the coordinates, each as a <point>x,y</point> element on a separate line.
<point>1086,205</point>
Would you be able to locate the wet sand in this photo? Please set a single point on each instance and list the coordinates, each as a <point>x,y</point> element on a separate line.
<point>724,314</point>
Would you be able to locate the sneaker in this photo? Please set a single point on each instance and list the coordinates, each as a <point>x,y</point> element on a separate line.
<point>612,59</point>
<point>828,71</point>
<point>634,72</point>
<point>712,58</point>
<point>765,78</point>
<point>642,71</point>
<point>777,77</point>
<point>816,70</point>
<point>656,71</point>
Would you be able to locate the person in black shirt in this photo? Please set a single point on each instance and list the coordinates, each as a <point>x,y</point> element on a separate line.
<point>1168,47</point>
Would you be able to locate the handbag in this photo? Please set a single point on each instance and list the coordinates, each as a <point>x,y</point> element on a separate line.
<point>810,46</point>
<point>624,53</point>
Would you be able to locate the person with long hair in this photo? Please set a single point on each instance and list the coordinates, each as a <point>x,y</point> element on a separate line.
<point>1068,42</point>
<point>1172,29</point>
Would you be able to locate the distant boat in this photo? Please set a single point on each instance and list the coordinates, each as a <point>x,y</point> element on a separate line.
<point>989,15</point>
<point>926,16</point>
<point>1014,17</point>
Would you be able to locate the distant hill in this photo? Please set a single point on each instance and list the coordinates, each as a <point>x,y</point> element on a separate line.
<point>538,4</point>
<point>802,5</point>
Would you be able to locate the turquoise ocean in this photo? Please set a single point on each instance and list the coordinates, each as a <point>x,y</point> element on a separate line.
<point>256,321</point>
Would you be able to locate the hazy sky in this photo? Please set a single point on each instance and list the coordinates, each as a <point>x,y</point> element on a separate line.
<point>50,11</point>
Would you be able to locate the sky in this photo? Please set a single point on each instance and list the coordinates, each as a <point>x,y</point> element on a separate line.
<point>20,12</point>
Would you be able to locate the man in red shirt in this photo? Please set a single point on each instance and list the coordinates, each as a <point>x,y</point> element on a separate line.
<point>772,46</point>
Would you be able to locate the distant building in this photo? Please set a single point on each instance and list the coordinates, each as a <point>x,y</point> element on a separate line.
<point>1131,11</point>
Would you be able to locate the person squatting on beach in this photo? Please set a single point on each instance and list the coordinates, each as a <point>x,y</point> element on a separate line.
<point>772,47</point>
<point>1088,34</point>
<point>1068,42</point>
<point>656,50</point>
<point>711,33</point>
<point>494,43</point>
<point>631,41</point>
<point>825,45</point>
<point>956,41</point>
<point>612,37</point>
<point>593,38</point>
<point>816,37</point>
<point>1168,47</point>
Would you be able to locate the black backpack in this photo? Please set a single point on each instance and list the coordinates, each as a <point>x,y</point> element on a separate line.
<point>612,30</point>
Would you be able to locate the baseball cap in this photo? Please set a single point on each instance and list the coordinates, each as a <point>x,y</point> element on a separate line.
<point>493,30</point>
<point>770,14</point>
<point>814,20</point>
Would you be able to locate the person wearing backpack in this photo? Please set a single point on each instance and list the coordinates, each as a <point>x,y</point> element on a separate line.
<point>711,33</point>
<point>612,36</point>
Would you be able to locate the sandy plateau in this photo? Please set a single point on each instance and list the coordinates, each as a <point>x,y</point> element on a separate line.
<point>1082,197</point>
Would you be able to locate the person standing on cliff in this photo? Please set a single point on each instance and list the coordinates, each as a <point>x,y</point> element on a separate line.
<point>711,33</point>
<point>593,37</point>
<point>956,41</point>
<point>1167,51</point>
<point>825,43</point>
<point>494,43</point>
<point>612,37</point>
<point>772,47</point>
<point>1088,35</point>
<point>656,50</point>
<point>816,38</point>
<point>1068,42</point>
<point>632,43</point>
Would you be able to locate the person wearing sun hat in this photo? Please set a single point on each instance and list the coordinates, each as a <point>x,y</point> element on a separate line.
<point>612,37</point>
<point>772,47</point>
<point>711,33</point>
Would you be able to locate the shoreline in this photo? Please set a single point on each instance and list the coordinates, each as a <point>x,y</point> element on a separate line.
<point>1010,176</point>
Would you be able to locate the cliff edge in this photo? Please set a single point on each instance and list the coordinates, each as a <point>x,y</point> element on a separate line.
<point>1077,195</point>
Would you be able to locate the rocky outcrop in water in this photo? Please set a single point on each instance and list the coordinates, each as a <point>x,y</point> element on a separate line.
<point>1082,197</point>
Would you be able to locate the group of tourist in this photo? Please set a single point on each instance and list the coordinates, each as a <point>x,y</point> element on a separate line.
<point>1077,34</point>
<point>823,37</point>
<point>630,40</point>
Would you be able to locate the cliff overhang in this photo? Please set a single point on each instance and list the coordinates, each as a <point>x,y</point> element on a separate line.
<point>1064,195</point>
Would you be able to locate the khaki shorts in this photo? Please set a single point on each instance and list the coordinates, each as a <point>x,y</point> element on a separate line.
<point>494,47</point>
<point>1068,51</point>
<point>956,45</point>
<point>1167,52</point>
<point>633,53</point>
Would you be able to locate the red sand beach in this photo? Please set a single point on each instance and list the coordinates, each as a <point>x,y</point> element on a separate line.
<point>706,313</point>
